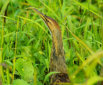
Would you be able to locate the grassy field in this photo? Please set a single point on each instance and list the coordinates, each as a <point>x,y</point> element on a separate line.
<point>25,41</point>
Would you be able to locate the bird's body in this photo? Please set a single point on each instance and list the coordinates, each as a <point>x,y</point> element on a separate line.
<point>57,59</point>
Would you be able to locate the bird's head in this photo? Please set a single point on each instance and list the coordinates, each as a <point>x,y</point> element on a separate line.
<point>51,23</point>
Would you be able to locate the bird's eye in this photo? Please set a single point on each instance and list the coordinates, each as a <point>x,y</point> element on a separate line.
<point>47,20</point>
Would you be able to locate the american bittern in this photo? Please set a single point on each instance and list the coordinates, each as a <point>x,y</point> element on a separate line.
<point>57,60</point>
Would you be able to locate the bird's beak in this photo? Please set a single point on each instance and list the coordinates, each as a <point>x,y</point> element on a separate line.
<point>39,13</point>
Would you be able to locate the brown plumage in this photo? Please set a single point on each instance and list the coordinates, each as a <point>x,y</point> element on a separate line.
<point>57,60</point>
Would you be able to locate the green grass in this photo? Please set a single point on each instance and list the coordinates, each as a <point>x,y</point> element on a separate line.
<point>25,41</point>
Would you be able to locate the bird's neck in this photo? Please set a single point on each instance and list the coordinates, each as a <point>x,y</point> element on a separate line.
<point>57,43</point>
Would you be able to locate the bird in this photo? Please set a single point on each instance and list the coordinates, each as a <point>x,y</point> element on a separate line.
<point>57,58</point>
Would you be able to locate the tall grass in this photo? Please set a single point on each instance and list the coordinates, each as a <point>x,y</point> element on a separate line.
<point>25,41</point>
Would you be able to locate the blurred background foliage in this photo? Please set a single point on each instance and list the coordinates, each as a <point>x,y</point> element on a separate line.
<point>25,41</point>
